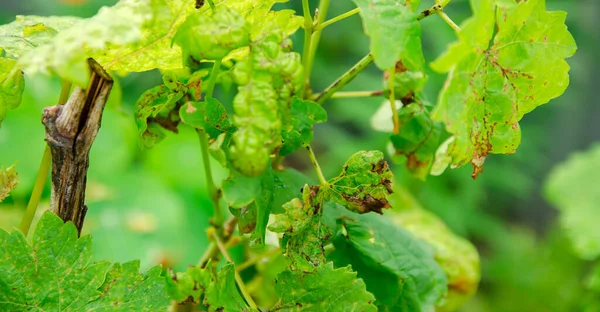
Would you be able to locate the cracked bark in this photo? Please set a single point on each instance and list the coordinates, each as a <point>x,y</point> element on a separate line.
<point>70,131</point>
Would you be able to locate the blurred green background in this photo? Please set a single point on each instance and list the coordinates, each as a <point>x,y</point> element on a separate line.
<point>153,205</point>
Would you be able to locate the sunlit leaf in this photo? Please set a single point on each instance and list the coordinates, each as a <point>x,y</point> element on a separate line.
<point>12,85</point>
<point>9,179</point>
<point>496,77</point>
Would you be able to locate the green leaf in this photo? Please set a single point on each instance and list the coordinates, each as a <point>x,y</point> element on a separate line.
<point>363,184</point>
<point>495,78</point>
<point>155,111</point>
<point>55,274</point>
<point>29,32</point>
<point>211,35</point>
<point>455,255</point>
<point>222,294</point>
<point>9,179</point>
<point>397,268</point>
<point>572,188</point>
<point>304,115</point>
<point>288,185</point>
<point>394,30</point>
<point>304,234</point>
<point>326,289</point>
<point>209,115</point>
<point>12,85</point>
<point>191,284</point>
<point>67,53</point>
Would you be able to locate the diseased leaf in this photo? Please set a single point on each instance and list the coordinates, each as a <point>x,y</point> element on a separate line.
<point>29,32</point>
<point>155,111</point>
<point>455,255</point>
<point>394,30</point>
<point>572,188</point>
<point>222,293</point>
<point>12,85</point>
<point>304,234</point>
<point>304,115</point>
<point>326,289</point>
<point>397,268</point>
<point>363,184</point>
<point>188,286</point>
<point>9,179</point>
<point>497,77</point>
<point>211,35</point>
<point>55,273</point>
<point>209,115</point>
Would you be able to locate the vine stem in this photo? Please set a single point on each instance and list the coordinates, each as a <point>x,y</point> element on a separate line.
<point>253,261</point>
<point>212,4</point>
<point>393,101</point>
<point>212,80</point>
<point>346,78</point>
<point>315,164</point>
<point>355,94</point>
<point>42,175</point>
<point>336,19</point>
<point>438,9</point>
<point>212,189</point>
<point>449,21</point>
<point>323,8</point>
<point>308,32</point>
<point>238,278</point>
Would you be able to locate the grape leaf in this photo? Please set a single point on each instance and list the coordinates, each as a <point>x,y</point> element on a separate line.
<point>363,184</point>
<point>394,30</point>
<point>326,289</point>
<point>304,115</point>
<point>455,255</point>
<point>155,110</point>
<point>219,290</point>
<point>211,35</point>
<point>497,77</point>
<point>303,232</point>
<point>571,187</point>
<point>209,115</point>
<point>288,185</point>
<point>387,253</point>
<point>55,274</point>
<point>67,53</point>
<point>9,179</point>
<point>12,85</point>
<point>28,32</point>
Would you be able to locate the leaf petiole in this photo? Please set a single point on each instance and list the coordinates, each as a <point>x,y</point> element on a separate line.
<point>346,78</point>
<point>449,21</point>
<point>336,19</point>
<point>212,80</point>
<point>308,32</point>
<point>212,189</point>
<point>354,94</point>
<point>392,97</point>
<point>315,163</point>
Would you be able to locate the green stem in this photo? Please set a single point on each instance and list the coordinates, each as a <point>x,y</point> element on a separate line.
<point>255,260</point>
<point>355,94</point>
<point>346,78</point>
<point>392,98</point>
<point>316,36</point>
<point>315,164</point>
<point>238,278</point>
<point>439,6</point>
<point>212,5</point>
<point>212,189</point>
<point>36,194</point>
<point>449,21</point>
<point>336,19</point>
<point>308,31</point>
<point>42,175</point>
<point>212,80</point>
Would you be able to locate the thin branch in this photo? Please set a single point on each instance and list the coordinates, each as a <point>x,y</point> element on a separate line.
<point>449,21</point>
<point>255,260</point>
<point>36,194</point>
<point>308,32</point>
<point>212,189</point>
<point>314,41</point>
<point>346,78</point>
<point>337,19</point>
<point>316,165</point>
<point>238,278</point>
<point>212,80</point>
<point>355,94</point>
<point>392,99</point>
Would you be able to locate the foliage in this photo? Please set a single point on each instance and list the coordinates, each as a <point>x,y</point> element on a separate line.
<point>231,75</point>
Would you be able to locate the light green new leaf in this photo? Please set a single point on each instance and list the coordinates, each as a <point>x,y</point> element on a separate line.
<point>397,268</point>
<point>304,115</point>
<point>455,255</point>
<point>363,184</point>
<point>496,78</point>
<point>155,111</point>
<point>222,293</point>
<point>288,185</point>
<point>304,234</point>
<point>326,289</point>
<point>9,179</point>
<point>67,52</point>
<point>394,30</point>
<point>12,85</point>
<point>192,283</point>
<point>211,35</point>
<point>55,273</point>
<point>572,187</point>
<point>29,32</point>
<point>209,115</point>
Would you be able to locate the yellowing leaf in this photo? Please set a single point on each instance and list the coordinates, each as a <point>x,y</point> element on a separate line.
<point>496,78</point>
